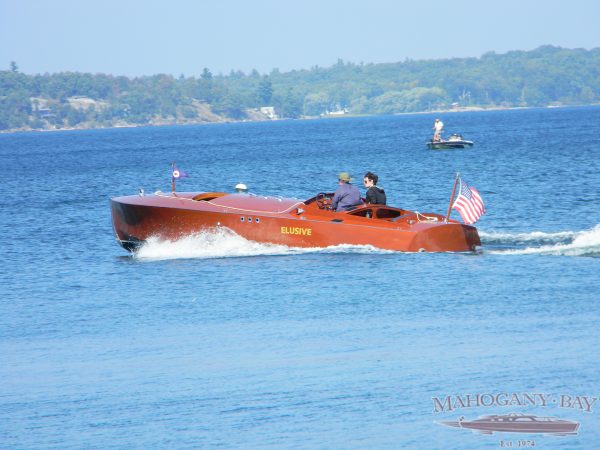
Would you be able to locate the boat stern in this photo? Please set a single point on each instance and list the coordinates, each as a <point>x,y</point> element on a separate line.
<point>448,237</point>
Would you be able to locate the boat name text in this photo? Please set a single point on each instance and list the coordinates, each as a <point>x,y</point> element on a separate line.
<point>296,230</point>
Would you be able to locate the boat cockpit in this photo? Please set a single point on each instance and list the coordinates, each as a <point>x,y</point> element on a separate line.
<point>323,201</point>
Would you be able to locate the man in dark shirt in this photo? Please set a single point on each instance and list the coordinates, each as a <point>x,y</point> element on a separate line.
<point>346,195</point>
<point>375,195</point>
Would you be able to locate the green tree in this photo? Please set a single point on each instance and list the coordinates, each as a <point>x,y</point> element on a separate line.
<point>230,105</point>
<point>290,104</point>
<point>75,116</point>
<point>265,91</point>
<point>206,74</point>
<point>315,104</point>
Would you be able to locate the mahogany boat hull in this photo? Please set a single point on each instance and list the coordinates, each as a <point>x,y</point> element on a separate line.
<point>287,222</point>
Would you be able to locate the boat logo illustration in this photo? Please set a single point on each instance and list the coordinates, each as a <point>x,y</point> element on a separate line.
<point>516,423</point>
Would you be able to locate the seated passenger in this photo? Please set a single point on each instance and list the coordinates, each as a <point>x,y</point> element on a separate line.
<point>375,194</point>
<point>347,195</point>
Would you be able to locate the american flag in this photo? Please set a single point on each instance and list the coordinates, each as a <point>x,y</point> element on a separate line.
<point>468,203</point>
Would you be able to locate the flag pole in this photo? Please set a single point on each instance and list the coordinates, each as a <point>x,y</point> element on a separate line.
<point>452,197</point>
<point>172,177</point>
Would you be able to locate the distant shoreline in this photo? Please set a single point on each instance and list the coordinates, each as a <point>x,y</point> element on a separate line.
<point>495,108</point>
<point>167,124</point>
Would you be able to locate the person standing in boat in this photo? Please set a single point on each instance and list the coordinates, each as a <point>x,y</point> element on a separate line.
<point>346,195</point>
<point>375,195</point>
<point>438,126</point>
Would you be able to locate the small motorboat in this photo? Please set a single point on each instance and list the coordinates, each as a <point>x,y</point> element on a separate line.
<point>286,221</point>
<point>517,423</point>
<point>454,141</point>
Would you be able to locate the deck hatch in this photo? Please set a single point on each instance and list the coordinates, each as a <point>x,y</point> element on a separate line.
<point>208,196</point>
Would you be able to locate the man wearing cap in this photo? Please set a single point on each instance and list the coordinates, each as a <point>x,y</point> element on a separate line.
<point>346,195</point>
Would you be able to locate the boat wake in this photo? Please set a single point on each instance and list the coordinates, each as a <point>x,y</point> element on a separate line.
<point>566,243</point>
<point>224,243</point>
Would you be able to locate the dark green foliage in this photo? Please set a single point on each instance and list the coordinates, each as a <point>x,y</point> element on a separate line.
<point>289,104</point>
<point>75,116</point>
<point>206,74</point>
<point>229,104</point>
<point>265,91</point>
<point>547,75</point>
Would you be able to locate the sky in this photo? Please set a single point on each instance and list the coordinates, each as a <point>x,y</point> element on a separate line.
<point>146,37</point>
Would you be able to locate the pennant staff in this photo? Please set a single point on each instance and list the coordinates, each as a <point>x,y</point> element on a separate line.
<point>173,177</point>
<point>452,196</point>
<point>176,174</point>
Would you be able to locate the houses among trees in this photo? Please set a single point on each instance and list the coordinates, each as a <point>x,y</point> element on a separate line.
<point>541,77</point>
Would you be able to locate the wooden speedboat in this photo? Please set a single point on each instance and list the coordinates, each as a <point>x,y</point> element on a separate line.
<point>285,221</point>
<point>454,141</point>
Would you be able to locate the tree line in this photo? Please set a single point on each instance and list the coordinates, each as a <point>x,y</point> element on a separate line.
<point>545,76</point>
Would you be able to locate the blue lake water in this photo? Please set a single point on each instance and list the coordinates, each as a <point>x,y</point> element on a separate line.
<point>215,341</point>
